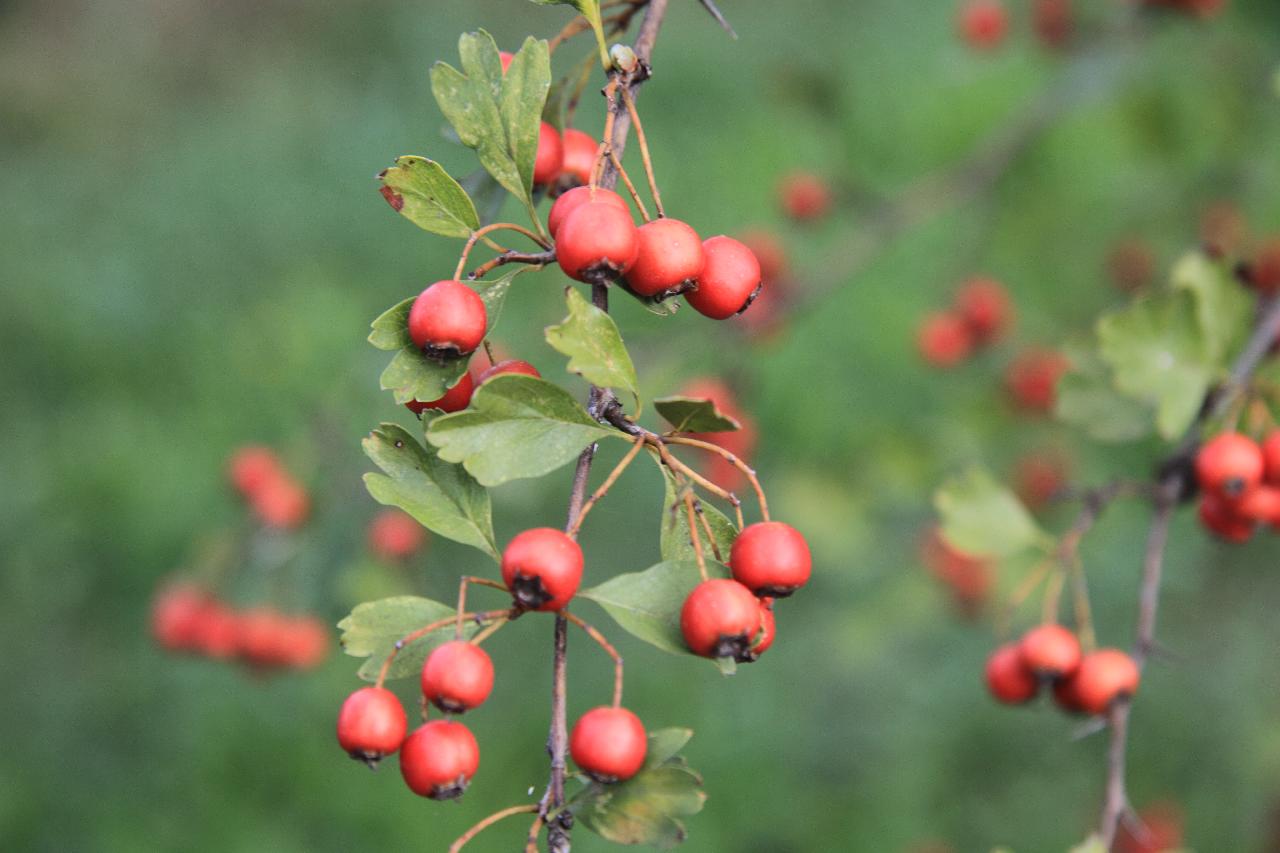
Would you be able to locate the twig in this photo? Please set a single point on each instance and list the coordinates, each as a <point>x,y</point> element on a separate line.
<point>488,822</point>
<point>732,459</point>
<point>694,537</point>
<point>630,104</point>
<point>424,631</point>
<point>608,649</point>
<point>576,524</point>
<point>537,259</point>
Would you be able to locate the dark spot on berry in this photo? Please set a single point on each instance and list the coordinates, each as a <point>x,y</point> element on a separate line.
<point>451,791</point>
<point>775,591</point>
<point>751,298</point>
<point>737,647</point>
<point>529,593</point>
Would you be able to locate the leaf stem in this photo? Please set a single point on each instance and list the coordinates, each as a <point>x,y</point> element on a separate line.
<point>603,490</point>
<point>608,649</point>
<point>490,821</point>
<point>733,460</point>
<point>424,631</point>
<point>498,226</point>
<point>630,104</point>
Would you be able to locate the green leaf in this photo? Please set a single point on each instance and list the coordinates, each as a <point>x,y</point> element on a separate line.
<point>690,414</point>
<point>373,628</point>
<point>493,293</point>
<point>442,497</point>
<point>391,329</point>
<point>664,744</point>
<point>524,92</point>
<point>647,604</point>
<point>675,542</point>
<point>645,809</point>
<point>1224,309</point>
<point>422,191</point>
<point>596,352</point>
<point>983,518</point>
<point>1087,398</point>
<point>1157,352</point>
<point>518,426</point>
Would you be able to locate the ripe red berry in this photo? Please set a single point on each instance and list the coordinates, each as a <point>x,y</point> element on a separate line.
<point>579,155</point>
<point>670,253</point>
<point>216,631</point>
<point>1264,270</point>
<point>571,200</point>
<point>1050,650</point>
<point>768,629</point>
<point>1271,457</point>
<point>1222,517</point>
<point>511,365</point>
<point>1229,464</point>
<point>720,619</point>
<point>596,241</point>
<point>1158,829</point>
<point>1064,695</point>
<point>1053,22</point>
<point>542,567</point>
<point>550,157</point>
<point>308,643</point>
<point>1260,504</point>
<point>371,724</point>
<point>609,744</point>
<point>1008,678</point>
<point>985,307</point>
<point>263,637</point>
<point>983,23</point>
<point>174,613</point>
<point>455,399</point>
<point>1131,265</point>
<point>439,759</point>
<point>394,535</point>
<point>729,281</point>
<point>968,577</point>
<point>1103,677</point>
<point>448,320</point>
<point>1038,477</point>
<point>804,196</point>
<point>944,339</point>
<point>281,503</point>
<point>251,468</point>
<point>1032,379</point>
<point>770,559</point>
<point>457,676</point>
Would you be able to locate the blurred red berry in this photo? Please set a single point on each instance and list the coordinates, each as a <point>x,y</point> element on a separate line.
<point>804,196</point>
<point>944,339</point>
<point>1032,379</point>
<point>1131,264</point>
<point>983,23</point>
<point>395,535</point>
<point>985,307</point>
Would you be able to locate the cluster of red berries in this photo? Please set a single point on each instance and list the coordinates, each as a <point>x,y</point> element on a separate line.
<point>1239,480</point>
<point>187,618</point>
<point>394,535</point>
<point>968,578</point>
<point>980,314</point>
<point>458,397</point>
<point>1050,654</point>
<point>273,494</point>
<point>984,24</point>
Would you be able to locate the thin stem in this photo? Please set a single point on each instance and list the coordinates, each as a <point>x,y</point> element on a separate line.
<point>706,526</point>
<point>1081,608</point>
<point>693,534</point>
<point>488,822</point>
<point>1053,596</point>
<point>424,631</point>
<point>631,188</point>
<point>462,597</point>
<point>644,151</point>
<point>494,627</point>
<point>1022,593</point>
<point>488,229</point>
<point>535,259</point>
<point>733,460</point>
<point>608,649</point>
<point>604,488</point>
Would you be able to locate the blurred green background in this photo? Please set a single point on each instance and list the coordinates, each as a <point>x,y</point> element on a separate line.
<point>191,248</point>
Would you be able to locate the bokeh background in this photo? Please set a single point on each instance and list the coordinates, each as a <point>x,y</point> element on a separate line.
<point>191,248</point>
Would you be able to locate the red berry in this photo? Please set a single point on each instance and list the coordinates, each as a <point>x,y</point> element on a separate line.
<point>770,559</point>
<point>983,23</point>
<point>1221,516</point>
<point>579,155</point>
<point>1050,650</point>
<point>1158,829</point>
<point>985,308</point>
<point>1008,678</point>
<point>439,759</point>
<point>447,320</point>
<point>1229,464</point>
<point>609,744</point>
<point>394,535</point>
<point>729,280</point>
<point>740,442</point>
<point>943,339</point>
<point>175,612</point>
<point>804,196</point>
<point>970,578</point>
<point>571,200</point>
<point>1053,22</point>
<point>1131,265</point>
<point>1032,379</point>
<point>371,724</point>
<point>1222,228</point>
<point>455,399</point>
<point>511,365</point>
<point>281,503</point>
<point>308,643</point>
<point>1261,504</point>
<point>1271,457</point>
<point>720,619</point>
<point>263,637</point>
<point>596,240</point>
<point>550,157</point>
<point>217,630</point>
<point>670,253</point>
<point>768,629</point>
<point>251,468</point>
<point>542,567</point>
<point>457,676</point>
<point>1264,271</point>
<point>769,252</point>
<point>505,58</point>
<point>1064,695</point>
<point>1103,677</point>
<point>1038,477</point>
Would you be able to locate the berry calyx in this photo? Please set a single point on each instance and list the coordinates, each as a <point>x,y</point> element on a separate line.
<point>770,559</point>
<point>542,567</point>
<point>983,23</point>
<point>511,365</point>
<point>944,339</point>
<point>609,744</point>
<point>670,253</point>
<point>1064,696</point>
<point>721,619</point>
<point>579,155</point>
<point>447,320</point>
<point>371,724</point>
<point>457,676</point>
<point>729,281</point>
<point>571,200</point>
<point>438,760</point>
<point>1222,517</point>
<point>985,307</point>
<point>1008,678</point>
<point>1103,677</point>
<point>550,157</point>
<point>1229,464</point>
<point>1051,651</point>
<point>596,241</point>
<point>455,399</point>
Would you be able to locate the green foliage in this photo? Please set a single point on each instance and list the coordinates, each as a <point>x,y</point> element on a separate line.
<point>689,414</point>
<point>442,497</point>
<point>982,517</point>
<point>647,604</point>
<point>422,192</point>
<point>676,543</point>
<point>373,628</point>
<point>596,352</point>
<point>1088,400</point>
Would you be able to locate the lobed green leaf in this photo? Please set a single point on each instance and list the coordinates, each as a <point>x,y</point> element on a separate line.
<point>675,542</point>
<point>982,517</point>
<point>645,809</point>
<point>591,339</point>
<point>373,628</point>
<point>1087,398</point>
<point>690,414</point>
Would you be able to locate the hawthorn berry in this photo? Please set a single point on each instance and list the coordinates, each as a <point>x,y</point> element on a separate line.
<point>969,578</point>
<point>251,468</point>
<point>263,637</point>
<point>455,399</point>
<point>944,339</point>
<point>511,365</point>
<point>542,567</point>
<point>609,744</point>
<point>721,619</point>
<point>394,535</point>
<point>596,240</point>
<point>550,157</point>
<point>1032,379</point>
<point>985,307</point>
<point>804,196</point>
<point>1008,678</point>
<point>670,253</point>
<point>308,643</point>
<point>729,281</point>
<point>571,200</point>
<point>1222,517</point>
<point>1229,464</point>
<point>1260,504</point>
<point>448,320</point>
<point>579,155</point>
<point>1103,677</point>
<point>281,503</point>
<point>1264,270</point>
<point>1064,696</point>
<point>771,559</point>
<point>371,724</point>
<point>983,23</point>
<point>216,631</point>
<point>174,613</point>
<point>457,676</point>
<point>439,758</point>
<point>740,442</point>
<point>1053,22</point>
<point>1038,477</point>
<point>1271,457</point>
<point>768,629</point>
<point>1050,650</point>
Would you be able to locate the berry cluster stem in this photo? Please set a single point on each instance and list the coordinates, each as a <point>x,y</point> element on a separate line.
<point>485,616</point>
<point>488,822</point>
<point>594,634</point>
